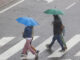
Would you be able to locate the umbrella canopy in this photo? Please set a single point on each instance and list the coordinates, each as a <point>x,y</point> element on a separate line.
<point>27,21</point>
<point>54,12</point>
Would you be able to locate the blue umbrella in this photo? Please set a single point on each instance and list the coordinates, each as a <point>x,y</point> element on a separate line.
<point>27,21</point>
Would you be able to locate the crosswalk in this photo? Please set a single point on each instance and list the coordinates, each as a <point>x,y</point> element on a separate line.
<point>14,49</point>
<point>41,47</point>
<point>71,43</point>
<point>5,40</point>
<point>77,54</point>
<point>49,1</point>
<point>12,5</point>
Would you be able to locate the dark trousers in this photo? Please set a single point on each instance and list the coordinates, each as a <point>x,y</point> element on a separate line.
<point>59,39</point>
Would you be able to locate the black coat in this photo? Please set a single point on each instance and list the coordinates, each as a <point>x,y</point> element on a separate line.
<point>57,27</point>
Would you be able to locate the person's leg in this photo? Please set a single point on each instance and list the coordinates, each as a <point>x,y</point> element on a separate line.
<point>63,41</point>
<point>25,47</point>
<point>52,42</point>
<point>60,41</point>
<point>37,51</point>
<point>31,48</point>
<point>24,54</point>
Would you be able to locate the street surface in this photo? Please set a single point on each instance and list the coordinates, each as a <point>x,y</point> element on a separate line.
<point>11,41</point>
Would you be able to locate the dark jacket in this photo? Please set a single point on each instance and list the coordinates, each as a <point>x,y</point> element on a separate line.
<point>57,25</point>
<point>28,32</point>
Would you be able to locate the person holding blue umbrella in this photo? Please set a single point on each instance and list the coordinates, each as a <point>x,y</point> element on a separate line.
<point>28,35</point>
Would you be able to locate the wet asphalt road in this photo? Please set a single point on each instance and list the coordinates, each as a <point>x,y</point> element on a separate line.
<point>34,8</point>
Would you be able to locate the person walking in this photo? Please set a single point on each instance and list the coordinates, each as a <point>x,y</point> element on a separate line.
<point>58,29</point>
<point>27,34</point>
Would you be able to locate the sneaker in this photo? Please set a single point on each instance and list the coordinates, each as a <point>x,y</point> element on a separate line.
<point>65,47</point>
<point>48,46</point>
<point>23,56</point>
<point>62,50</point>
<point>37,52</point>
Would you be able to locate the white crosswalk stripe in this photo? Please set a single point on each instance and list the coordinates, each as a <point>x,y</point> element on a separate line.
<point>5,40</point>
<point>70,5</point>
<point>14,49</point>
<point>65,59</point>
<point>77,54</point>
<point>11,6</point>
<point>71,43</point>
<point>49,1</point>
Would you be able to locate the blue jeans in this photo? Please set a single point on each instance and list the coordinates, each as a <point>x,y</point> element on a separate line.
<point>59,39</point>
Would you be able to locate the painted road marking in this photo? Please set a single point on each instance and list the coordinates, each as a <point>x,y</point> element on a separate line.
<point>5,40</point>
<point>66,59</point>
<point>40,47</point>
<point>14,49</point>
<point>70,6</point>
<point>77,54</point>
<point>49,1</point>
<point>11,6</point>
<point>71,43</point>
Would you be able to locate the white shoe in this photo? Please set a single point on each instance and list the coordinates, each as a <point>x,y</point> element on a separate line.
<point>23,56</point>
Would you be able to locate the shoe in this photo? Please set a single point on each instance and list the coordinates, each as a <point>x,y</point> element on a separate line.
<point>48,46</point>
<point>62,50</point>
<point>37,52</point>
<point>65,48</point>
<point>36,56</point>
<point>23,56</point>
